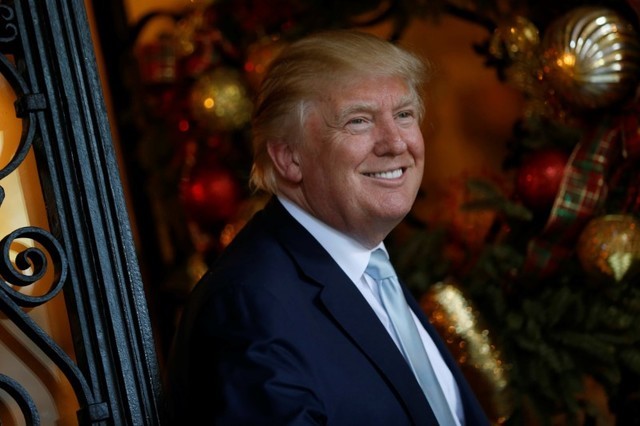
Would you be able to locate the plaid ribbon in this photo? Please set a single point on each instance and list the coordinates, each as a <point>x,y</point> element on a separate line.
<point>582,193</point>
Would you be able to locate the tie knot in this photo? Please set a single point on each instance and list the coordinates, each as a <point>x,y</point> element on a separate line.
<point>379,266</point>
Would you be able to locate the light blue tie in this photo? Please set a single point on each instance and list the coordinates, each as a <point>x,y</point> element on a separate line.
<point>411,346</point>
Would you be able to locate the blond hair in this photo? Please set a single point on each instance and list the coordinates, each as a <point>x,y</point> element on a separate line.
<point>307,68</point>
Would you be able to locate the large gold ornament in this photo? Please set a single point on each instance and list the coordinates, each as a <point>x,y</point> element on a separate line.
<point>459,323</point>
<point>591,57</point>
<point>220,100</point>
<point>609,247</point>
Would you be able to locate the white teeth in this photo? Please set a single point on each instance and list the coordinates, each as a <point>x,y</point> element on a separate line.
<point>393,174</point>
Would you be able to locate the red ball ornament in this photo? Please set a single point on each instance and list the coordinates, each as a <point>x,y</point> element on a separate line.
<point>539,178</point>
<point>210,194</point>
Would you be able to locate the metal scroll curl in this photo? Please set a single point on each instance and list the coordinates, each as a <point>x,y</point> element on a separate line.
<point>34,260</point>
<point>8,28</point>
<point>14,272</point>
<point>22,397</point>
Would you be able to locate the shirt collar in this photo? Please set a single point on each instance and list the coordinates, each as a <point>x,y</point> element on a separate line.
<point>351,256</point>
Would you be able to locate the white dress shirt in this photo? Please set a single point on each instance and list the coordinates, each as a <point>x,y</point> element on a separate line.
<point>353,258</point>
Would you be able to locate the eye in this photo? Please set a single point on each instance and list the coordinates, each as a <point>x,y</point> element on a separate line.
<point>356,121</point>
<point>405,114</point>
<point>357,124</point>
<point>405,117</point>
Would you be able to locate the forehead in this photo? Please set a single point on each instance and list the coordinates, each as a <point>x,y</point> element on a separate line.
<point>366,94</point>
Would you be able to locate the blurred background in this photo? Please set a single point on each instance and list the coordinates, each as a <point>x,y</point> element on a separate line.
<point>523,245</point>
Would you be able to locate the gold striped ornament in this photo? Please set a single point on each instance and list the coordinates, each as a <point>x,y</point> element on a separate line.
<point>591,57</point>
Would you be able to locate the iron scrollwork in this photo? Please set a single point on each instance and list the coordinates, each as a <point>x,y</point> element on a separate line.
<point>8,28</point>
<point>31,265</point>
<point>12,302</point>
<point>22,397</point>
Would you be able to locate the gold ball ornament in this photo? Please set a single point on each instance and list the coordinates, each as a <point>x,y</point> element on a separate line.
<point>517,38</point>
<point>220,101</point>
<point>609,247</point>
<point>591,57</point>
<point>460,325</point>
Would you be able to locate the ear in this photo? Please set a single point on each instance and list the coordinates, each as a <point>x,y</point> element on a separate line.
<point>285,160</point>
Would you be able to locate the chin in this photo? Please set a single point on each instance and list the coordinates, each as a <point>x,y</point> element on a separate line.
<point>398,204</point>
<point>394,214</point>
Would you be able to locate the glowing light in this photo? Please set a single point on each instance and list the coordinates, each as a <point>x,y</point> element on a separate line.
<point>568,59</point>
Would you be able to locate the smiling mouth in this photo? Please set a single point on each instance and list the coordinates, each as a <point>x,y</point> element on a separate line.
<point>391,174</point>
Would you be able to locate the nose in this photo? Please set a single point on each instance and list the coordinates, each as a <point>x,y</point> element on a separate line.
<point>390,140</point>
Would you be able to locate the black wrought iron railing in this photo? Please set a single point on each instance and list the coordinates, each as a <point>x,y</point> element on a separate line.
<point>46,55</point>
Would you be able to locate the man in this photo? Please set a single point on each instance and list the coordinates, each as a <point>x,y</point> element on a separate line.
<point>289,327</point>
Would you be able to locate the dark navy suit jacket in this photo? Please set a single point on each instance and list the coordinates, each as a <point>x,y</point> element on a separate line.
<point>276,334</point>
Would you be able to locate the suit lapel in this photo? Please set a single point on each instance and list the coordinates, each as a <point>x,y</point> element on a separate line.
<point>357,320</point>
<point>351,311</point>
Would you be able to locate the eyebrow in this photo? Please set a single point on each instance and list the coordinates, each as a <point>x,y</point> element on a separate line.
<point>352,109</point>
<point>405,101</point>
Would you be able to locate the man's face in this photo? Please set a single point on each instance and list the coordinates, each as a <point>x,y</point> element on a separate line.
<point>362,157</point>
